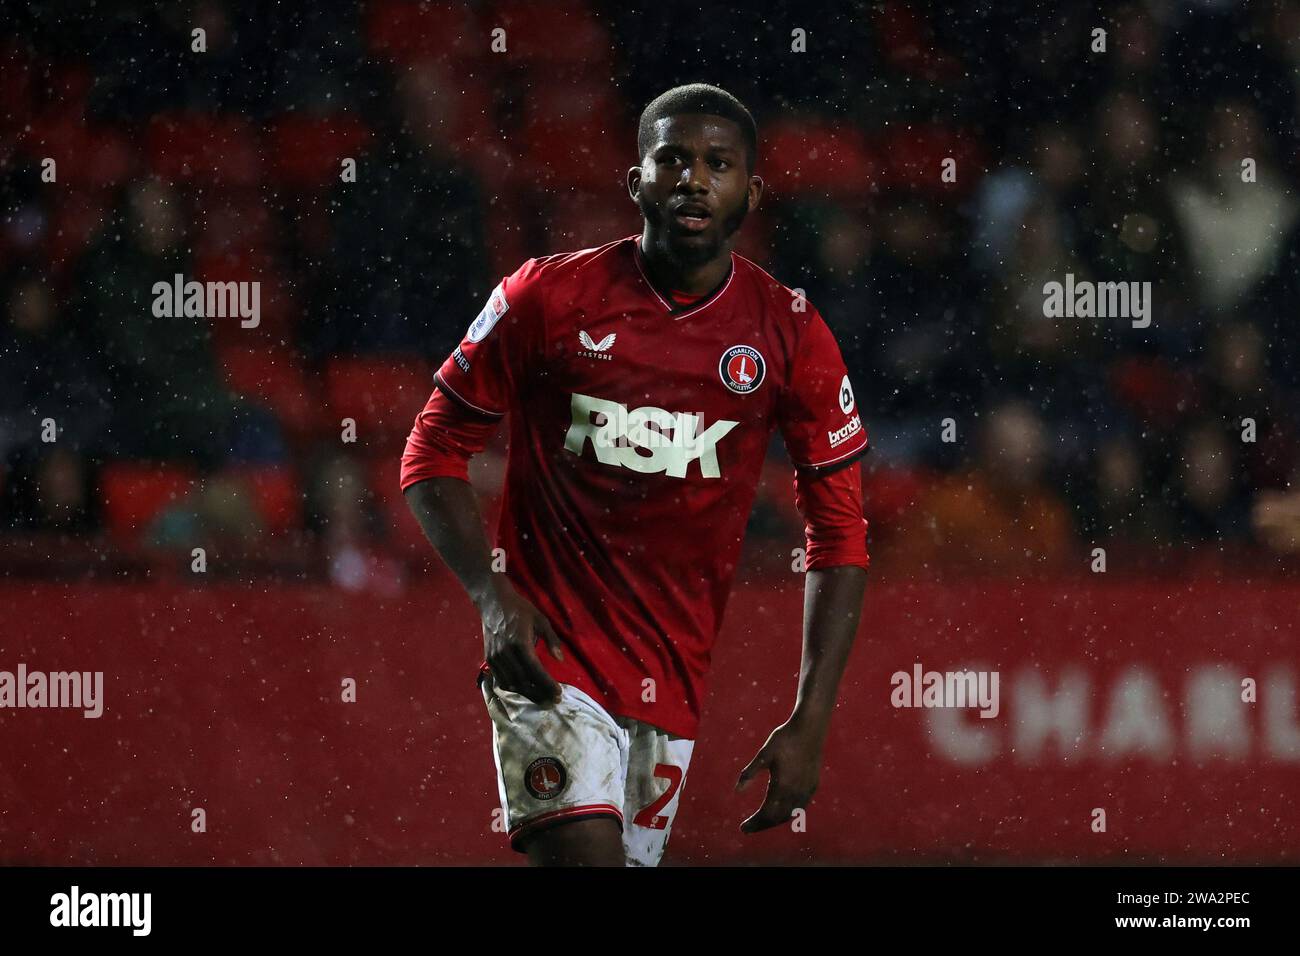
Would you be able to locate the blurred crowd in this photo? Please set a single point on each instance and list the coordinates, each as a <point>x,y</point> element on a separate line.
<point>1002,439</point>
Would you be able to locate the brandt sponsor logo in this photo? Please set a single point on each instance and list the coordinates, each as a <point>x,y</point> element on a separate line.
<point>841,435</point>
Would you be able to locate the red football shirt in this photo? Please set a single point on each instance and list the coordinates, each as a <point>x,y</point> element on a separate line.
<point>637,433</point>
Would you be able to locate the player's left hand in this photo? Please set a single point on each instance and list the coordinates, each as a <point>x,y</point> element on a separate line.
<point>793,757</point>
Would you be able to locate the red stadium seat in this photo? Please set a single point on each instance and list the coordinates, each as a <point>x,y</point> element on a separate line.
<point>78,217</point>
<point>406,32</point>
<point>581,220</point>
<point>906,42</point>
<point>86,157</point>
<point>577,139</point>
<point>455,105</point>
<point>382,395</point>
<point>64,87</point>
<point>817,157</point>
<point>203,148</point>
<point>273,376</point>
<point>135,492</point>
<point>915,154</point>
<point>553,34</point>
<point>307,152</point>
<point>54,135</point>
<point>277,306</point>
<point>238,220</point>
<point>276,494</point>
<point>109,159</point>
<point>1153,390</point>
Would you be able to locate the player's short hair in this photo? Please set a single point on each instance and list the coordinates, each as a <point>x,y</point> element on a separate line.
<point>698,98</point>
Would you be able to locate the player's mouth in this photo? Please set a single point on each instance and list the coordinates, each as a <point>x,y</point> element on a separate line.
<point>693,217</point>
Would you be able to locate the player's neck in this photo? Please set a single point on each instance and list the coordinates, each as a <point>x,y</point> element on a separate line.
<point>668,276</point>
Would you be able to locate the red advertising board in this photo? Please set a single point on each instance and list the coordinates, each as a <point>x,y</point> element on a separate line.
<point>1154,721</point>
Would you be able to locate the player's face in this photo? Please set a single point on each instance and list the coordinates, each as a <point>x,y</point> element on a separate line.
<point>693,187</point>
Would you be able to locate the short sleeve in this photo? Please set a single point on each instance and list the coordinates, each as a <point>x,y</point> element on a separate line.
<point>486,371</point>
<point>817,413</point>
<point>834,526</point>
<point>446,435</point>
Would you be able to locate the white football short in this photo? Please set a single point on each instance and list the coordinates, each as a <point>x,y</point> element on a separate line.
<point>575,760</point>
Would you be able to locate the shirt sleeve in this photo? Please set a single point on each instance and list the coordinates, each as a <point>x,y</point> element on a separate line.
<point>479,382</point>
<point>486,371</point>
<point>834,528</point>
<point>445,437</point>
<point>817,413</point>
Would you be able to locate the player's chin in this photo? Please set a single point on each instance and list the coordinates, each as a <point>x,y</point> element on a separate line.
<point>695,245</point>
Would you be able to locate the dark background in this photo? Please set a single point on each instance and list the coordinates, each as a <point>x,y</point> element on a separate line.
<point>1071,434</point>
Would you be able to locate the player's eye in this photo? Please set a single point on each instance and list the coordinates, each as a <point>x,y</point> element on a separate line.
<point>720,164</point>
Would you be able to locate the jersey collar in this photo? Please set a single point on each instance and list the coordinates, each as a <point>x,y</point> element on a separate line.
<point>679,312</point>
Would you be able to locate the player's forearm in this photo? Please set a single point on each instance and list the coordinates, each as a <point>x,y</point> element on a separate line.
<point>447,509</point>
<point>832,609</point>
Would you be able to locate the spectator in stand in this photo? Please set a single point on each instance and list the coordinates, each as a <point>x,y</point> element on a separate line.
<point>342,511</point>
<point>45,371</point>
<point>49,489</point>
<point>998,514</point>
<point>1275,518</point>
<point>168,401</point>
<point>1047,169</point>
<point>1129,231</point>
<point>1236,386</point>
<point>925,334</point>
<point>840,286</point>
<point>1211,500</point>
<point>408,269</point>
<point>1123,507</point>
<point>1236,230</point>
<point>46,376</point>
<point>1025,345</point>
<point>1138,430</point>
<point>219,512</point>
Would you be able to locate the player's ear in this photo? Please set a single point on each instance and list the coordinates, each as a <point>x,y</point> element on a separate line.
<point>756,187</point>
<point>634,181</point>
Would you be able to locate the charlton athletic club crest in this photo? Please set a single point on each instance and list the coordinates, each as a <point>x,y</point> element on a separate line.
<point>742,369</point>
<point>545,778</point>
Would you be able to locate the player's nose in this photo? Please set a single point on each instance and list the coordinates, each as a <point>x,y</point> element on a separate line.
<point>695,177</point>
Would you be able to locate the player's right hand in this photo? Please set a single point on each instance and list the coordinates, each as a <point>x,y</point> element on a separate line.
<point>511,628</point>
